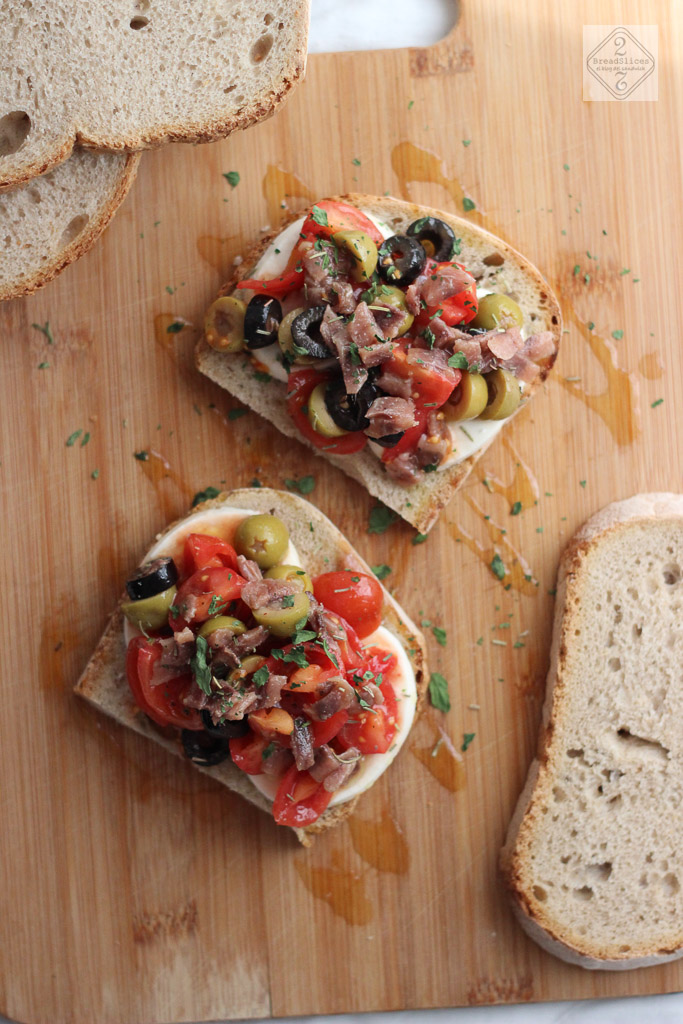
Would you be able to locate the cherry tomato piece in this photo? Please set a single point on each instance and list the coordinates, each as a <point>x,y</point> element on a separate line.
<point>278,287</point>
<point>162,702</point>
<point>203,551</point>
<point>355,596</point>
<point>247,752</point>
<point>299,800</point>
<point>336,217</point>
<point>323,732</point>
<point>207,592</point>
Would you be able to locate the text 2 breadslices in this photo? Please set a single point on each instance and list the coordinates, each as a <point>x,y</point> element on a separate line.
<point>254,641</point>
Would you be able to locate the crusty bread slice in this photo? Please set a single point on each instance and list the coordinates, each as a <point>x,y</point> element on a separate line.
<point>128,74</point>
<point>322,547</point>
<point>592,858</point>
<point>494,263</point>
<point>55,219</point>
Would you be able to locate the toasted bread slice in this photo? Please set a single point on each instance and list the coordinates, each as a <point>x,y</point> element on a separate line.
<point>592,858</point>
<point>494,263</point>
<point>58,217</point>
<point>129,75</point>
<point>322,548</point>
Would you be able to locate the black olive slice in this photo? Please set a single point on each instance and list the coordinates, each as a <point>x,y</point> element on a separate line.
<point>400,260</point>
<point>261,321</point>
<point>349,411</point>
<point>152,578</point>
<point>389,440</point>
<point>306,332</point>
<point>438,236</point>
<point>227,730</point>
<point>204,749</point>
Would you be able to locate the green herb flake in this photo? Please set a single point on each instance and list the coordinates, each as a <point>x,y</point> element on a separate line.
<point>381,518</point>
<point>497,567</point>
<point>142,456</point>
<point>577,269</point>
<point>657,402</point>
<point>205,495</point>
<point>320,216</point>
<point>175,328</point>
<point>582,483</point>
<point>566,167</point>
<point>43,366</point>
<point>46,330</point>
<point>440,635</point>
<point>95,473</point>
<point>516,508</point>
<point>617,335</point>
<point>467,738</point>
<point>264,378</point>
<point>355,162</point>
<point>419,538</point>
<point>236,414</point>
<point>381,571</point>
<point>411,104</point>
<point>200,667</point>
<point>288,601</point>
<point>232,178</point>
<point>459,361</point>
<point>590,325</point>
<point>304,485</point>
<point>466,142</point>
<point>438,692</point>
<point>72,438</point>
<point>86,438</point>
<point>260,676</point>
<point>468,204</point>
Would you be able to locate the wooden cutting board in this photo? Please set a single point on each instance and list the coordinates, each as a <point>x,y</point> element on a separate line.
<point>132,888</point>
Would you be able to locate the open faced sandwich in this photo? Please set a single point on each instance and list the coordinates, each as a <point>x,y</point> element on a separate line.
<point>393,339</point>
<point>254,641</point>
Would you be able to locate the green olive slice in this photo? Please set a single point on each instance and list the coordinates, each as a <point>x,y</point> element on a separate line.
<point>150,612</point>
<point>293,574</point>
<point>236,626</point>
<point>363,250</point>
<point>390,295</point>
<point>469,398</point>
<point>292,352</point>
<point>224,324</point>
<point>504,395</point>
<point>263,538</point>
<point>497,310</point>
<point>319,415</point>
<point>282,617</point>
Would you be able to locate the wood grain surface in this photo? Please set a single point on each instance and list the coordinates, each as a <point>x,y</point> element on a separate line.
<point>132,889</point>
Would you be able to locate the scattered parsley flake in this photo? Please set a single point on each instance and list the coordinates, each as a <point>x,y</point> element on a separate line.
<point>411,104</point>
<point>232,178</point>
<point>381,518</point>
<point>236,414</point>
<point>467,738</point>
<point>381,571</point>
<point>566,167</point>
<point>497,567</point>
<point>43,366</point>
<point>142,456</point>
<point>264,378</point>
<point>419,538</point>
<point>617,335</point>
<point>582,483</point>
<point>200,667</point>
<point>516,508</point>
<point>46,330</point>
<point>260,676</point>
<point>72,438</point>
<point>95,473</point>
<point>459,361</point>
<point>440,635</point>
<point>304,485</point>
<point>356,161</point>
<point>438,692</point>
<point>657,402</point>
<point>320,216</point>
<point>466,142</point>
<point>468,204</point>
<point>175,327</point>
<point>205,495</point>
<point>577,269</point>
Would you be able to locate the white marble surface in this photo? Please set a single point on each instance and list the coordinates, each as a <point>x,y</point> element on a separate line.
<point>371,24</point>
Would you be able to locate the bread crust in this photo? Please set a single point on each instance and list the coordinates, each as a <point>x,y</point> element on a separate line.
<point>541,926</point>
<point>103,681</point>
<point>422,503</point>
<point>85,240</point>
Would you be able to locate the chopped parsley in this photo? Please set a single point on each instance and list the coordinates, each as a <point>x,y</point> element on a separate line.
<point>236,414</point>
<point>200,667</point>
<point>72,438</point>
<point>141,456</point>
<point>657,402</point>
<point>288,601</point>
<point>381,571</point>
<point>95,473</point>
<point>459,361</point>
<point>320,216</point>
<point>264,378</point>
<point>356,161</point>
<point>304,485</point>
<point>205,495</point>
<point>46,330</point>
<point>467,738</point>
<point>216,604</point>
<point>260,676</point>
<point>175,327</point>
<point>497,567</point>
<point>516,508</point>
<point>296,655</point>
<point>438,692</point>
<point>468,204</point>
<point>381,518</point>
<point>466,142</point>
<point>439,635</point>
<point>617,335</point>
<point>232,178</point>
<point>43,366</point>
<point>419,538</point>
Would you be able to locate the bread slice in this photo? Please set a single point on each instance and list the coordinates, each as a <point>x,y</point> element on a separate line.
<point>128,74</point>
<point>592,858</point>
<point>495,265</point>
<point>56,218</point>
<point>322,548</point>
